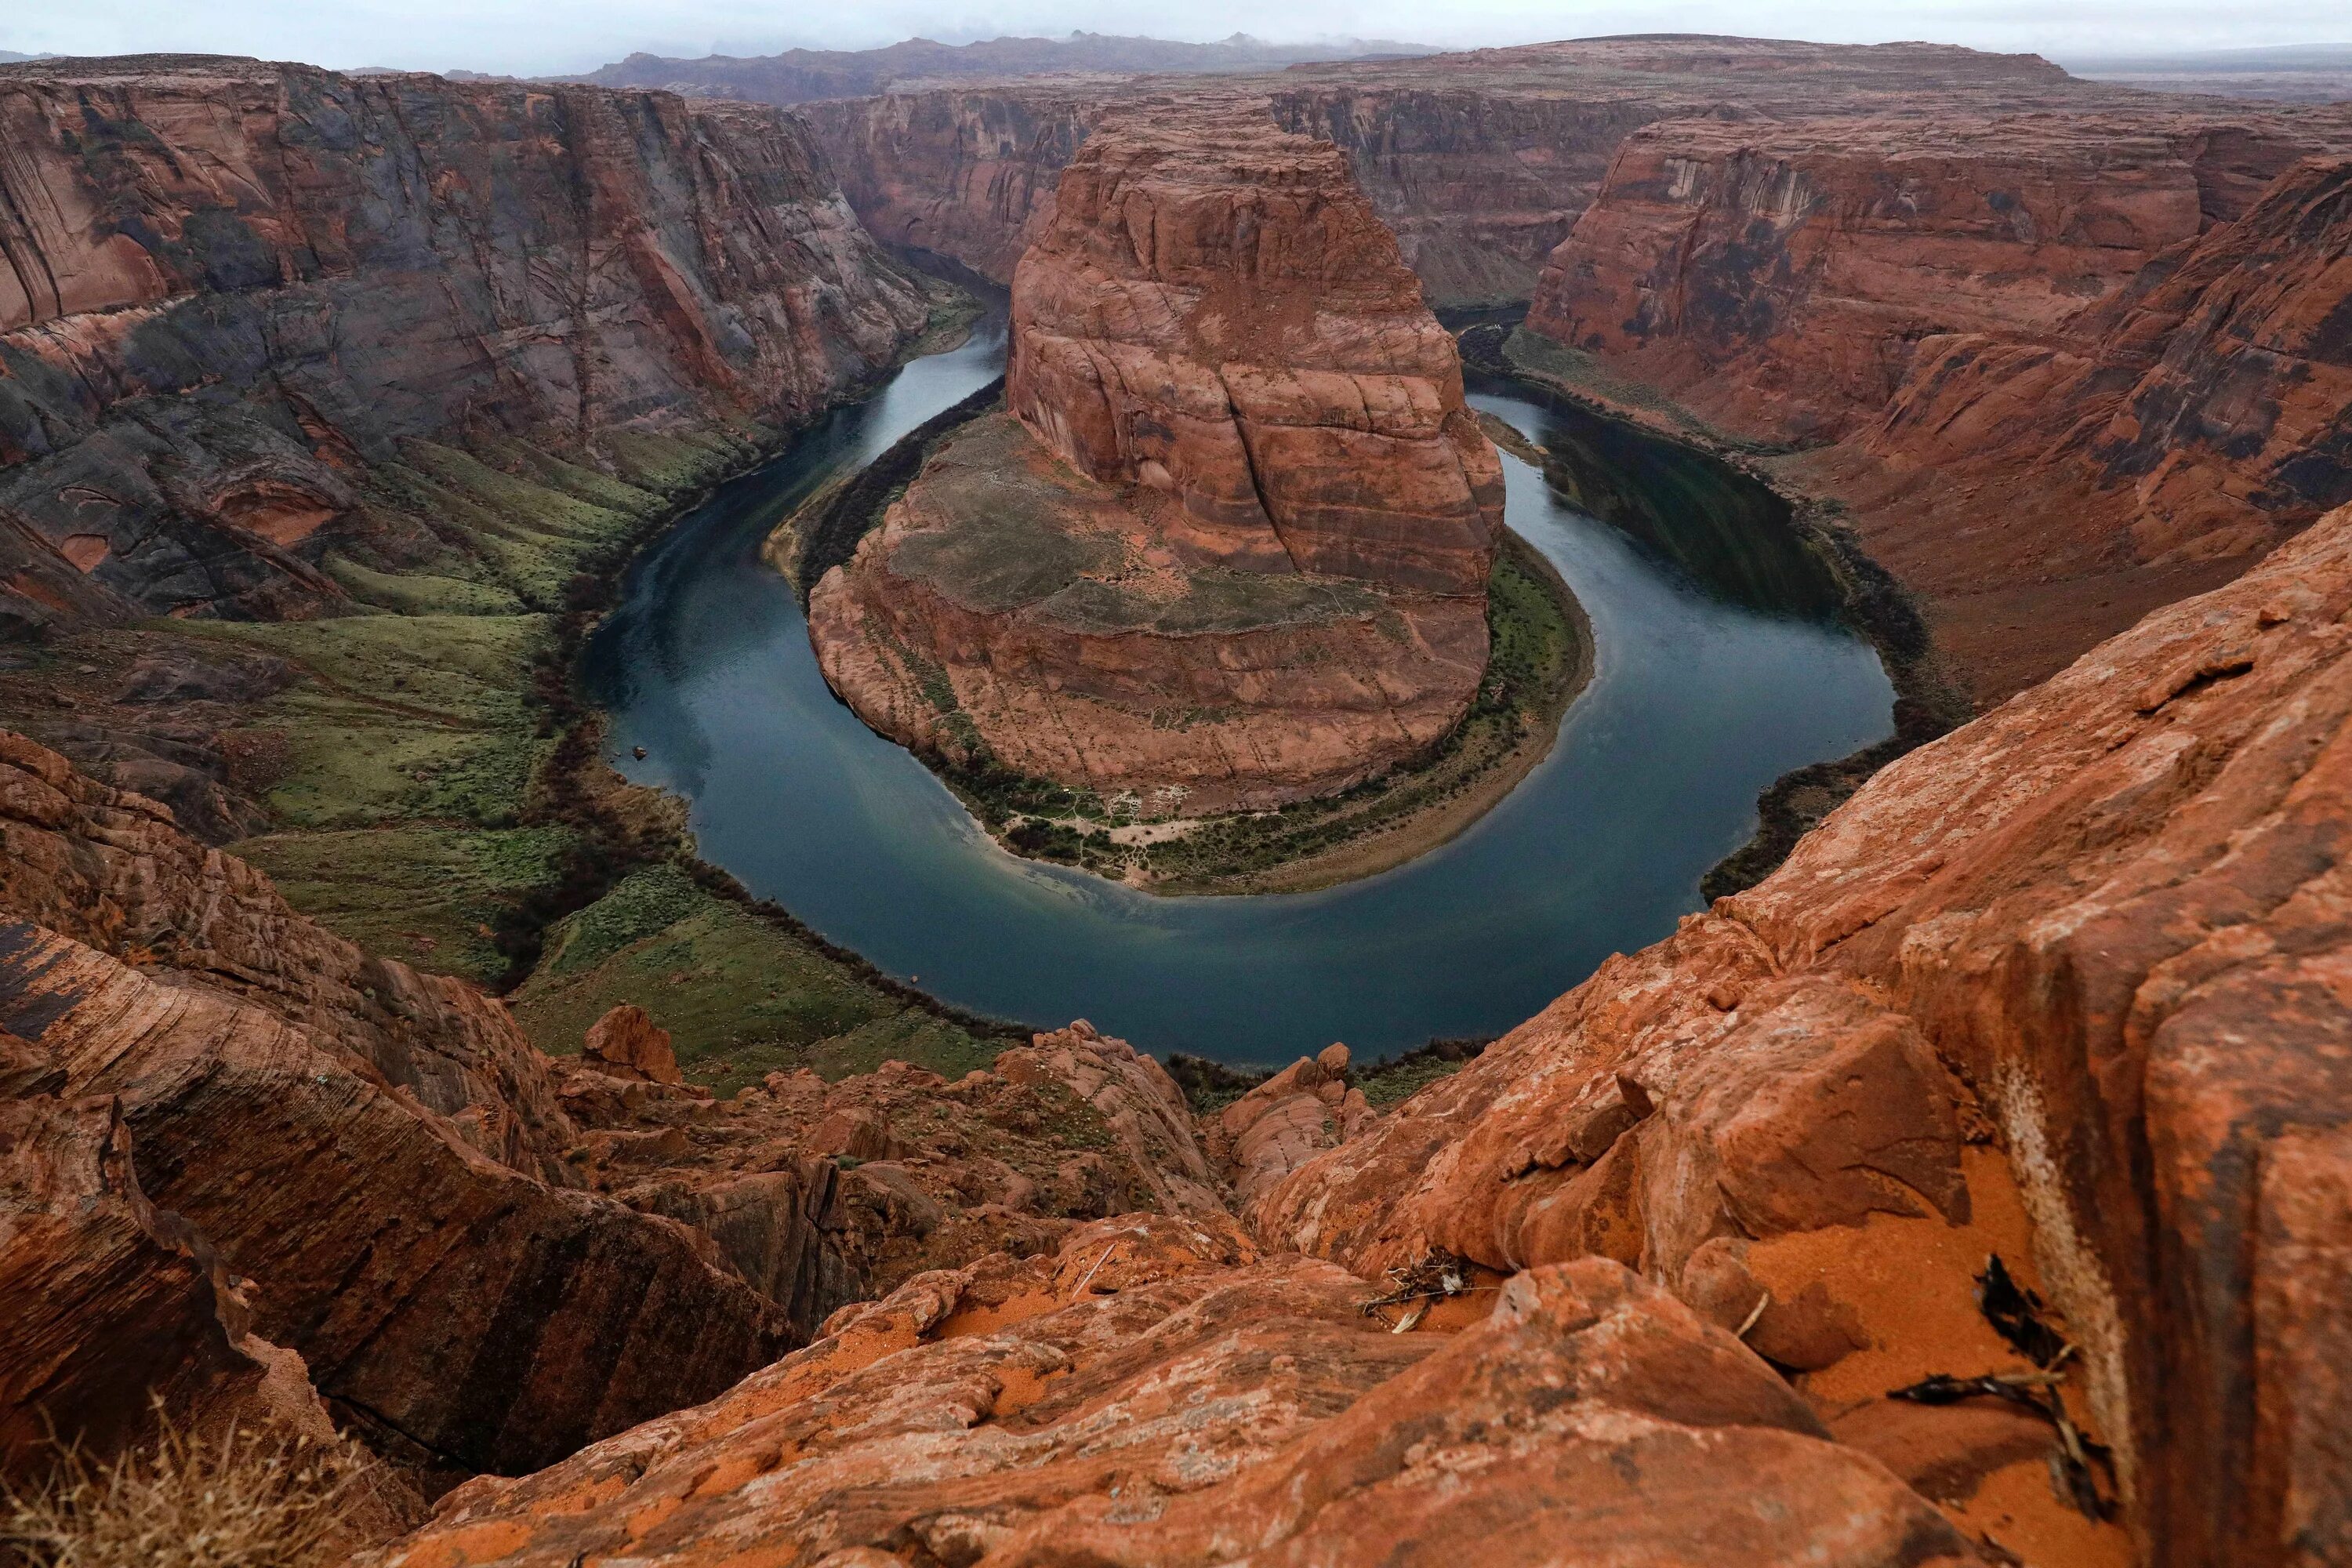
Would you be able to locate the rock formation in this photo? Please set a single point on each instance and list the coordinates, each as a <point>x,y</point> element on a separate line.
<point>106,1300</point>
<point>626,1043</point>
<point>236,293</point>
<point>2162,439</point>
<point>227,1127</point>
<point>1287,1120</point>
<point>2107,910</point>
<point>1232,542</point>
<point>1258,1414</point>
<point>1479,161</point>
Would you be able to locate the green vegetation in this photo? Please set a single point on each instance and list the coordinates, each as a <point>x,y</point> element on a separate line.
<point>437,794</point>
<point>742,994</point>
<point>432,896</point>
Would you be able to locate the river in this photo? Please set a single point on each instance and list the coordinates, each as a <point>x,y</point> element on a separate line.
<point>1718,667</point>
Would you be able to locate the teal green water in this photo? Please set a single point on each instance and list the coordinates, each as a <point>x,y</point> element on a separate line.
<point>1719,667</point>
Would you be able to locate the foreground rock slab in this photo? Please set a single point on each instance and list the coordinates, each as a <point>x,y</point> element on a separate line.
<point>2099,931</point>
<point>1167,1408</point>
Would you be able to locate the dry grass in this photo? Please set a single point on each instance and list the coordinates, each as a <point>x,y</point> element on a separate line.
<point>241,1501</point>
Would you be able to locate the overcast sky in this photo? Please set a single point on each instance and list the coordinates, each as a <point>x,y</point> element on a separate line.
<point>528,36</point>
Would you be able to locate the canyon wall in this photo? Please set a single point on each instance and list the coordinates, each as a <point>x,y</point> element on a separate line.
<point>1231,547</point>
<point>1777,279</point>
<point>2180,427</point>
<point>964,172</point>
<point>1479,161</point>
<point>235,295</point>
<point>2061,372</point>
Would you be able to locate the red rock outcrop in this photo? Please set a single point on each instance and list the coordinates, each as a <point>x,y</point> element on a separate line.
<point>373,1148</point>
<point>1191,1412</point>
<point>2100,928</point>
<point>487,1259</point>
<point>627,1043</point>
<point>2157,442</point>
<point>1479,160</point>
<point>1287,1120</point>
<point>1231,548</point>
<point>1215,313</point>
<point>232,290</point>
<point>821,1193</point>
<point>111,869</point>
<point>106,1301</point>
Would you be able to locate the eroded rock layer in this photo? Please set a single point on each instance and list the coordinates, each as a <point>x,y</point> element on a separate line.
<point>1229,547</point>
<point>232,293</point>
<point>2109,910</point>
<point>224,1131</point>
<point>1480,161</point>
<point>2069,369</point>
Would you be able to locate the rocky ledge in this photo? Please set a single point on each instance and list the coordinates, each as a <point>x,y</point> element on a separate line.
<point>1230,545</point>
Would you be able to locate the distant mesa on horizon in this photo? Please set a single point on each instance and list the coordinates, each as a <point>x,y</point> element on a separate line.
<point>799,76</point>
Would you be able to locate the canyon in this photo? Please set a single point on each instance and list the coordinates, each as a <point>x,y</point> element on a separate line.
<point>1227,545</point>
<point>255,317</point>
<point>1774,235</point>
<point>377,1062</point>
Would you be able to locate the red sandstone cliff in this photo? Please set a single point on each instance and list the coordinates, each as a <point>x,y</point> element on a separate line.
<point>2159,440</point>
<point>224,1131</point>
<point>1232,547</point>
<point>230,292</point>
<point>2065,986</point>
<point>1479,161</point>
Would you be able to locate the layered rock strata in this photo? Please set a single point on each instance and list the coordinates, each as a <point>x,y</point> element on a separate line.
<point>2062,988</point>
<point>1230,545</point>
<point>2158,441</point>
<point>1143,1399</point>
<point>234,293</point>
<point>106,1301</point>
<point>2107,911</point>
<point>1479,160</point>
<point>1776,278</point>
<point>228,1131</point>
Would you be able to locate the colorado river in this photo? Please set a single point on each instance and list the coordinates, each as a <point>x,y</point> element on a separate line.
<point>1704,692</point>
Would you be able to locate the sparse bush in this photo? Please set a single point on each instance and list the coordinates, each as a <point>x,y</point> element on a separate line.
<point>244,1499</point>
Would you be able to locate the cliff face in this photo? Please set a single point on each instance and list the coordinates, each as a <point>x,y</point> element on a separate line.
<point>239,1158</point>
<point>2203,413</point>
<point>1479,161</point>
<point>1216,315</point>
<point>1777,279</point>
<point>967,174</point>
<point>797,76</point>
<point>2064,987</point>
<point>234,293</point>
<point>1232,546</point>
<point>2062,371</point>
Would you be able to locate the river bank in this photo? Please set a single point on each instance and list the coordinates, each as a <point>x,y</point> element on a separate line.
<point>1702,692</point>
<point>1929,699</point>
<point>422,775</point>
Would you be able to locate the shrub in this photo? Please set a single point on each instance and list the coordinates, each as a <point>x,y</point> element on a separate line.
<point>241,1501</point>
